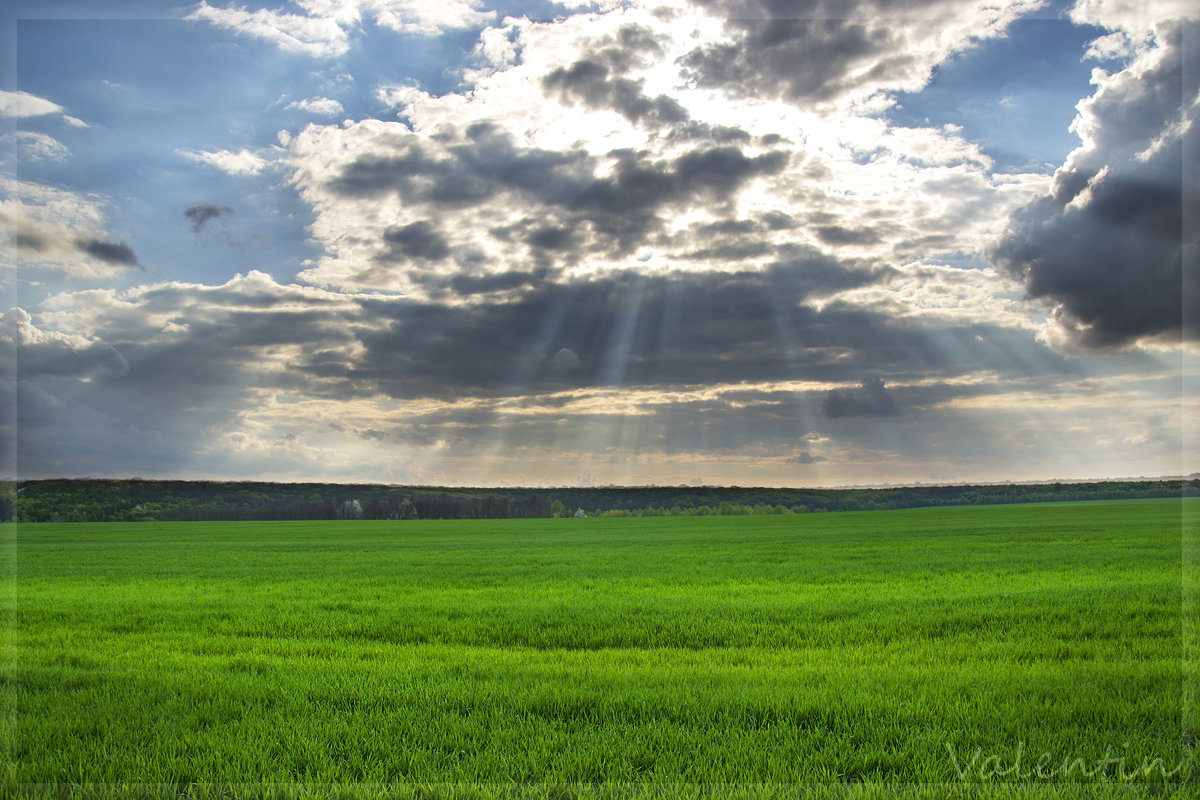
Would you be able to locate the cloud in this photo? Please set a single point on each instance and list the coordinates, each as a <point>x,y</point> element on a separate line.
<point>23,104</point>
<point>673,372</point>
<point>824,52</point>
<point>196,360</point>
<point>305,35</point>
<point>871,399</point>
<point>55,230</point>
<point>589,82</point>
<point>200,347</point>
<point>30,352</point>
<point>325,30</point>
<point>320,106</point>
<point>476,165</point>
<point>577,207</point>
<point>632,330</point>
<point>116,253</point>
<point>33,147</point>
<point>620,331</point>
<point>588,154</point>
<point>200,215</point>
<point>242,162</point>
<point>1107,249</point>
<point>418,16</point>
<point>1134,18</point>
<point>836,234</point>
<point>632,242</point>
<point>420,240</point>
<point>599,79</point>
<point>566,358</point>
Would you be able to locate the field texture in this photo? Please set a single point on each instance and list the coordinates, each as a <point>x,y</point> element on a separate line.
<point>1033,650</point>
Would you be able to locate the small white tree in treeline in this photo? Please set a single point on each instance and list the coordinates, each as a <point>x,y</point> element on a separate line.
<point>407,510</point>
<point>350,509</point>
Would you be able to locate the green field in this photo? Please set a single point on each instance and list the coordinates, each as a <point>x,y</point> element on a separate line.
<point>852,654</point>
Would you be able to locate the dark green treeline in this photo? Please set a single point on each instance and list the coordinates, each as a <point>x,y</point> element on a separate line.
<point>89,500</point>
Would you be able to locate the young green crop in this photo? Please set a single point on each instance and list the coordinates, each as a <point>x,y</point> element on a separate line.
<point>934,652</point>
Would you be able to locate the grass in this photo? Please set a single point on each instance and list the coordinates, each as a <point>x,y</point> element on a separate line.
<point>842,655</point>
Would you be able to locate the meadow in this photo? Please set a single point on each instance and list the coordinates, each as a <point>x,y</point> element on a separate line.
<point>1025,650</point>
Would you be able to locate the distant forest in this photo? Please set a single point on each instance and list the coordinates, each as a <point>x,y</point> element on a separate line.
<point>135,500</point>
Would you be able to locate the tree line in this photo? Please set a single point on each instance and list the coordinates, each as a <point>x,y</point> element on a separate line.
<point>137,499</point>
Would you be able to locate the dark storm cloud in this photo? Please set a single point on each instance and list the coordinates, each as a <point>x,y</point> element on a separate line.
<point>615,212</point>
<point>219,356</point>
<point>732,251</point>
<point>240,328</point>
<point>806,50</point>
<point>419,240</point>
<point>623,207</point>
<point>836,234</point>
<point>201,215</point>
<point>632,45</point>
<point>234,345</point>
<point>616,330</point>
<point>1114,270</point>
<point>599,80</point>
<point>718,134</point>
<point>374,175</point>
<point>726,227</point>
<point>468,285</point>
<point>473,169</point>
<point>797,59</point>
<point>722,170</point>
<point>72,428</point>
<point>805,457</point>
<point>779,221</point>
<point>729,240</point>
<point>1109,246</point>
<point>551,237</point>
<point>31,241</point>
<point>632,330</point>
<point>871,399</point>
<point>122,399</point>
<point>38,360</point>
<point>591,83</point>
<point>116,253</point>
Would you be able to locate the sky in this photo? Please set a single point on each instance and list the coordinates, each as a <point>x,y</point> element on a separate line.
<point>687,242</point>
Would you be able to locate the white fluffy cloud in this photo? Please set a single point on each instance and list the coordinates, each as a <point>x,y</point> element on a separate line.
<point>319,106</point>
<point>33,146</point>
<point>1136,18</point>
<point>307,35</point>
<point>325,30</point>
<point>242,162</point>
<point>421,16</point>
<point>23,104</point>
